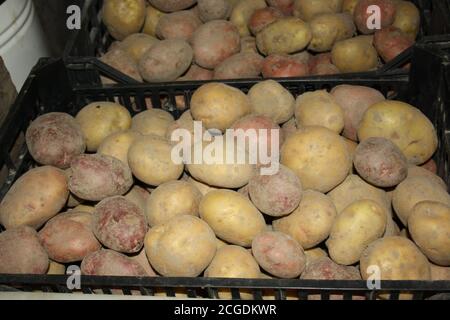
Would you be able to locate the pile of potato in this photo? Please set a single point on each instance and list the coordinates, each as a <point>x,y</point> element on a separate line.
<point>356,188</point>
<point>183,40</point>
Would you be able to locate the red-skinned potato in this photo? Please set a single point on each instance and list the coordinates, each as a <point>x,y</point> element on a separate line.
<point>285,6</point>
<point>107,262</point>
<point>363,16</point>
<point>263,17</point>
<point>178,25</point>
<point>196,72</point>
<point>122,61</point>
<point>172,5</point>
<point>325,269</point>
<point>390,42</point>
<point>281,66</point>
<point>241,65</point>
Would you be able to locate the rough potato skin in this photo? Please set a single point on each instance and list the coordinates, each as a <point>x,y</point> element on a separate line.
<point>326,269</point>
<point>361,16</point>
<point>215,41</point>
<point>119,224</point>
<point>248,44</point>
<point>34,198</point>
<point>21,252</point>
<point>241,65</point>
<point>354,100</point>
<point>276,195</point>
<point>380,162</point>
<point>214,9</point>
<point>119,59</point>
<point>166,61</point>
<point>95,177</point>
<point>390,42</point>
<point>107,262</point>
<point>283,66</point>
<point>55,139</point>
<point>263,17</point>
<point>68,237</point>
<point>123,18</point>
<point>279,254</point>
<point>172,5</point>
<point>178,25</point>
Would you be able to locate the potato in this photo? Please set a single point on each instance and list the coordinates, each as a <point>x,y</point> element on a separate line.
<point>380,162</point>
<point>95,177</point>
<point>351,147</point>
<point>328,28</point>
<point>181,247</point>
<point>325,269</point>
<point>137,44</point>
<point>283,66</point>
<point>215,41</point>
<point>172,5</point>
<point>119,224</point>
<point>354,100</point>
<point>397,259</point>
<point>271,99</point>
<point>324,69</point>
<point>314,254</point>
<point>354,55</point>
<point>117,144</point>
<point>407,18</point>
<point>286,6</point>
<point>73,201</point>
<point>439,273</point>
<point>171,199</point>
<point>214,9</point>
<point>279,254</point>
<point>141,258</point>
<point>289,127</point>
<point>364,17</point>
<point>55,139</point>
<point>34,198</point>
<point>318,156</point>
<point>184,123</point>
<point>430,165</point>
<point>152,121</point>
<point>311,221</point>
<point>138,196</point>
<point>242,12</point>
<point>107,262</point>
<point>248,44</point>
<point>404,125</point>
<point>84,208</point>
<point>320,58</point>
<point>149,158</point>
<point>276,195</point>
<point>218,105</point>
<point>166,60</point>
<point>202,187</point>
<point>178,25</point>
<point>122,61</point>
<point>241,65</point>
<point>354,229</point>
<point>414,171</point>
<point>55,268</point>
<point>286,35</point>
<point>101,119</point>
<point>429,225</point>
<point>232,261</point>
<point>197,73</point>
<point>262,18</point>
<point>68,237</point>
<point>390,42</point>
<point>152,17</point>
<point>349,6</point>
<point>232,216</point>
<point>123,18</point>
<point>319,108</point>
<point>21,252</point>
<point>308,9</point>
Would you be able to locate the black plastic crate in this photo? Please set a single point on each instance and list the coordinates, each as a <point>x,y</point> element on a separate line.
<point>51,87</point>
<point>93,40</point>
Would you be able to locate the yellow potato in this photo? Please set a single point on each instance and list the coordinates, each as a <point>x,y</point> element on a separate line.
<point>242,12</point>
<point>308,9</point>
<point>319,108</point>
<point>117,144</point>
<point>152,17</point>
<point>349,6</point>
<point>404,125</point>
<point>138,196</point>
<point>218,105</point>
<point>123,18</point>
<point>150,160</point>
<point>318,156</point>
<point>171,199</point>
<point>232,216</point>
<point>354,55</point>
<point>413,190</point>
<point>202,187</point>
<point>439,273</point>
<point>284,36</point>
<point>271,99</point>
<point>84,208</point>
<point>152,121</point>
<point>314,254</point>
<point>354,229</point>
<point>181,247</point>
<point>311,222</point>
<point>429,226</point>
<point>56,268</point>
<point>101,119</point>
<point>415,171</point>
<point>137,44</point>
<point>407,18</point>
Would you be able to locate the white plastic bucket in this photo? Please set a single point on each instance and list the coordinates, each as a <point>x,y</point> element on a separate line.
<point>22,40</point>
